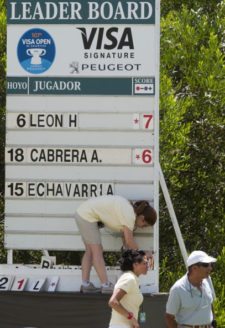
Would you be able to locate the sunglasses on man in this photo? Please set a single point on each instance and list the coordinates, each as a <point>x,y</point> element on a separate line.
<point>205,265</point>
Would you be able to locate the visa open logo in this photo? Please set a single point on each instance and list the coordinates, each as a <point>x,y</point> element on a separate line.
<point>36,51</point>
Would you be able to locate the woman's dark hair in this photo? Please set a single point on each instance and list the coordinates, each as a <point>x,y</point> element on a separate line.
<point>142,207</point>
<point>129,257</point>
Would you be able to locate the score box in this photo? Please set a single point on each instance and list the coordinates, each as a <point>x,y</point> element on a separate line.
<point>37,285</point>
<point>144,86</point>
<point>19,283</point>
<point>53,284</point>
<point>143,156</point>
<point>6,282</point>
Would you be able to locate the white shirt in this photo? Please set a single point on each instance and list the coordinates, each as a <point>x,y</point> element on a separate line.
<point>114,211</point>
<point>131,301</point>
<point>188,304</point>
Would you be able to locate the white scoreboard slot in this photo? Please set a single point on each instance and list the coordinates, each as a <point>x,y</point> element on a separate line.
<point>82,121</point>
<point>79,156</point>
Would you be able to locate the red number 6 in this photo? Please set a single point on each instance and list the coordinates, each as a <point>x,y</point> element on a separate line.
<point>147,156</point>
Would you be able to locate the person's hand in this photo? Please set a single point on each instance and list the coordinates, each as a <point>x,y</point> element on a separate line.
<point>149,254</point>
<point>150,257</point>
<point>135,324</point>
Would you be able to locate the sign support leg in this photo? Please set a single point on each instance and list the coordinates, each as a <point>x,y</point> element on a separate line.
<point>10,256</point>
<point>172,215</point>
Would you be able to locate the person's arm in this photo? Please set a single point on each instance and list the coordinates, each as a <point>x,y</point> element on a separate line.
<point>173,306</point>
<point>115,304</point>
<point>129,238</point>
<point>170,321</point>
<point>129,242</point>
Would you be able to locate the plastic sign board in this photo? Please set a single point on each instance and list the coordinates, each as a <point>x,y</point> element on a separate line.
<point>6,282</point>
<point>19,283</point>
<point>82,116</point>
<point>59,279</point>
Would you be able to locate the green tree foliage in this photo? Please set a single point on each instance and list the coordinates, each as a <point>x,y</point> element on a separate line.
<point>207,7</point>
<point>218,279</point>
<point>192,101</point>
<point>192,138</point>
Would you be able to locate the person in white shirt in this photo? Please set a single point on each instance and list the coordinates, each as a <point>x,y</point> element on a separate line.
<point>117,214</point>
<point>127,297</point>
<point>191,297</point>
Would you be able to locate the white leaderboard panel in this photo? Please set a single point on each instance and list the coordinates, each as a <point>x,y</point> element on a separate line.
<point>82,116</point>
<point>56,278</point>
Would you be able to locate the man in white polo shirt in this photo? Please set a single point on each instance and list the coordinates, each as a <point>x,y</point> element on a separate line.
<point>191,297</point>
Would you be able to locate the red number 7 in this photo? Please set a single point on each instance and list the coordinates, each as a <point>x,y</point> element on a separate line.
<point>148,121</point>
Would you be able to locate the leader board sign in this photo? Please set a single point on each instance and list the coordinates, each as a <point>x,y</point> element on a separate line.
<point>85,38</point>
<point>82,116</point>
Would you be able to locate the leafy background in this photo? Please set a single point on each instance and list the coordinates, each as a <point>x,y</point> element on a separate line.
<point>192,139</point>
